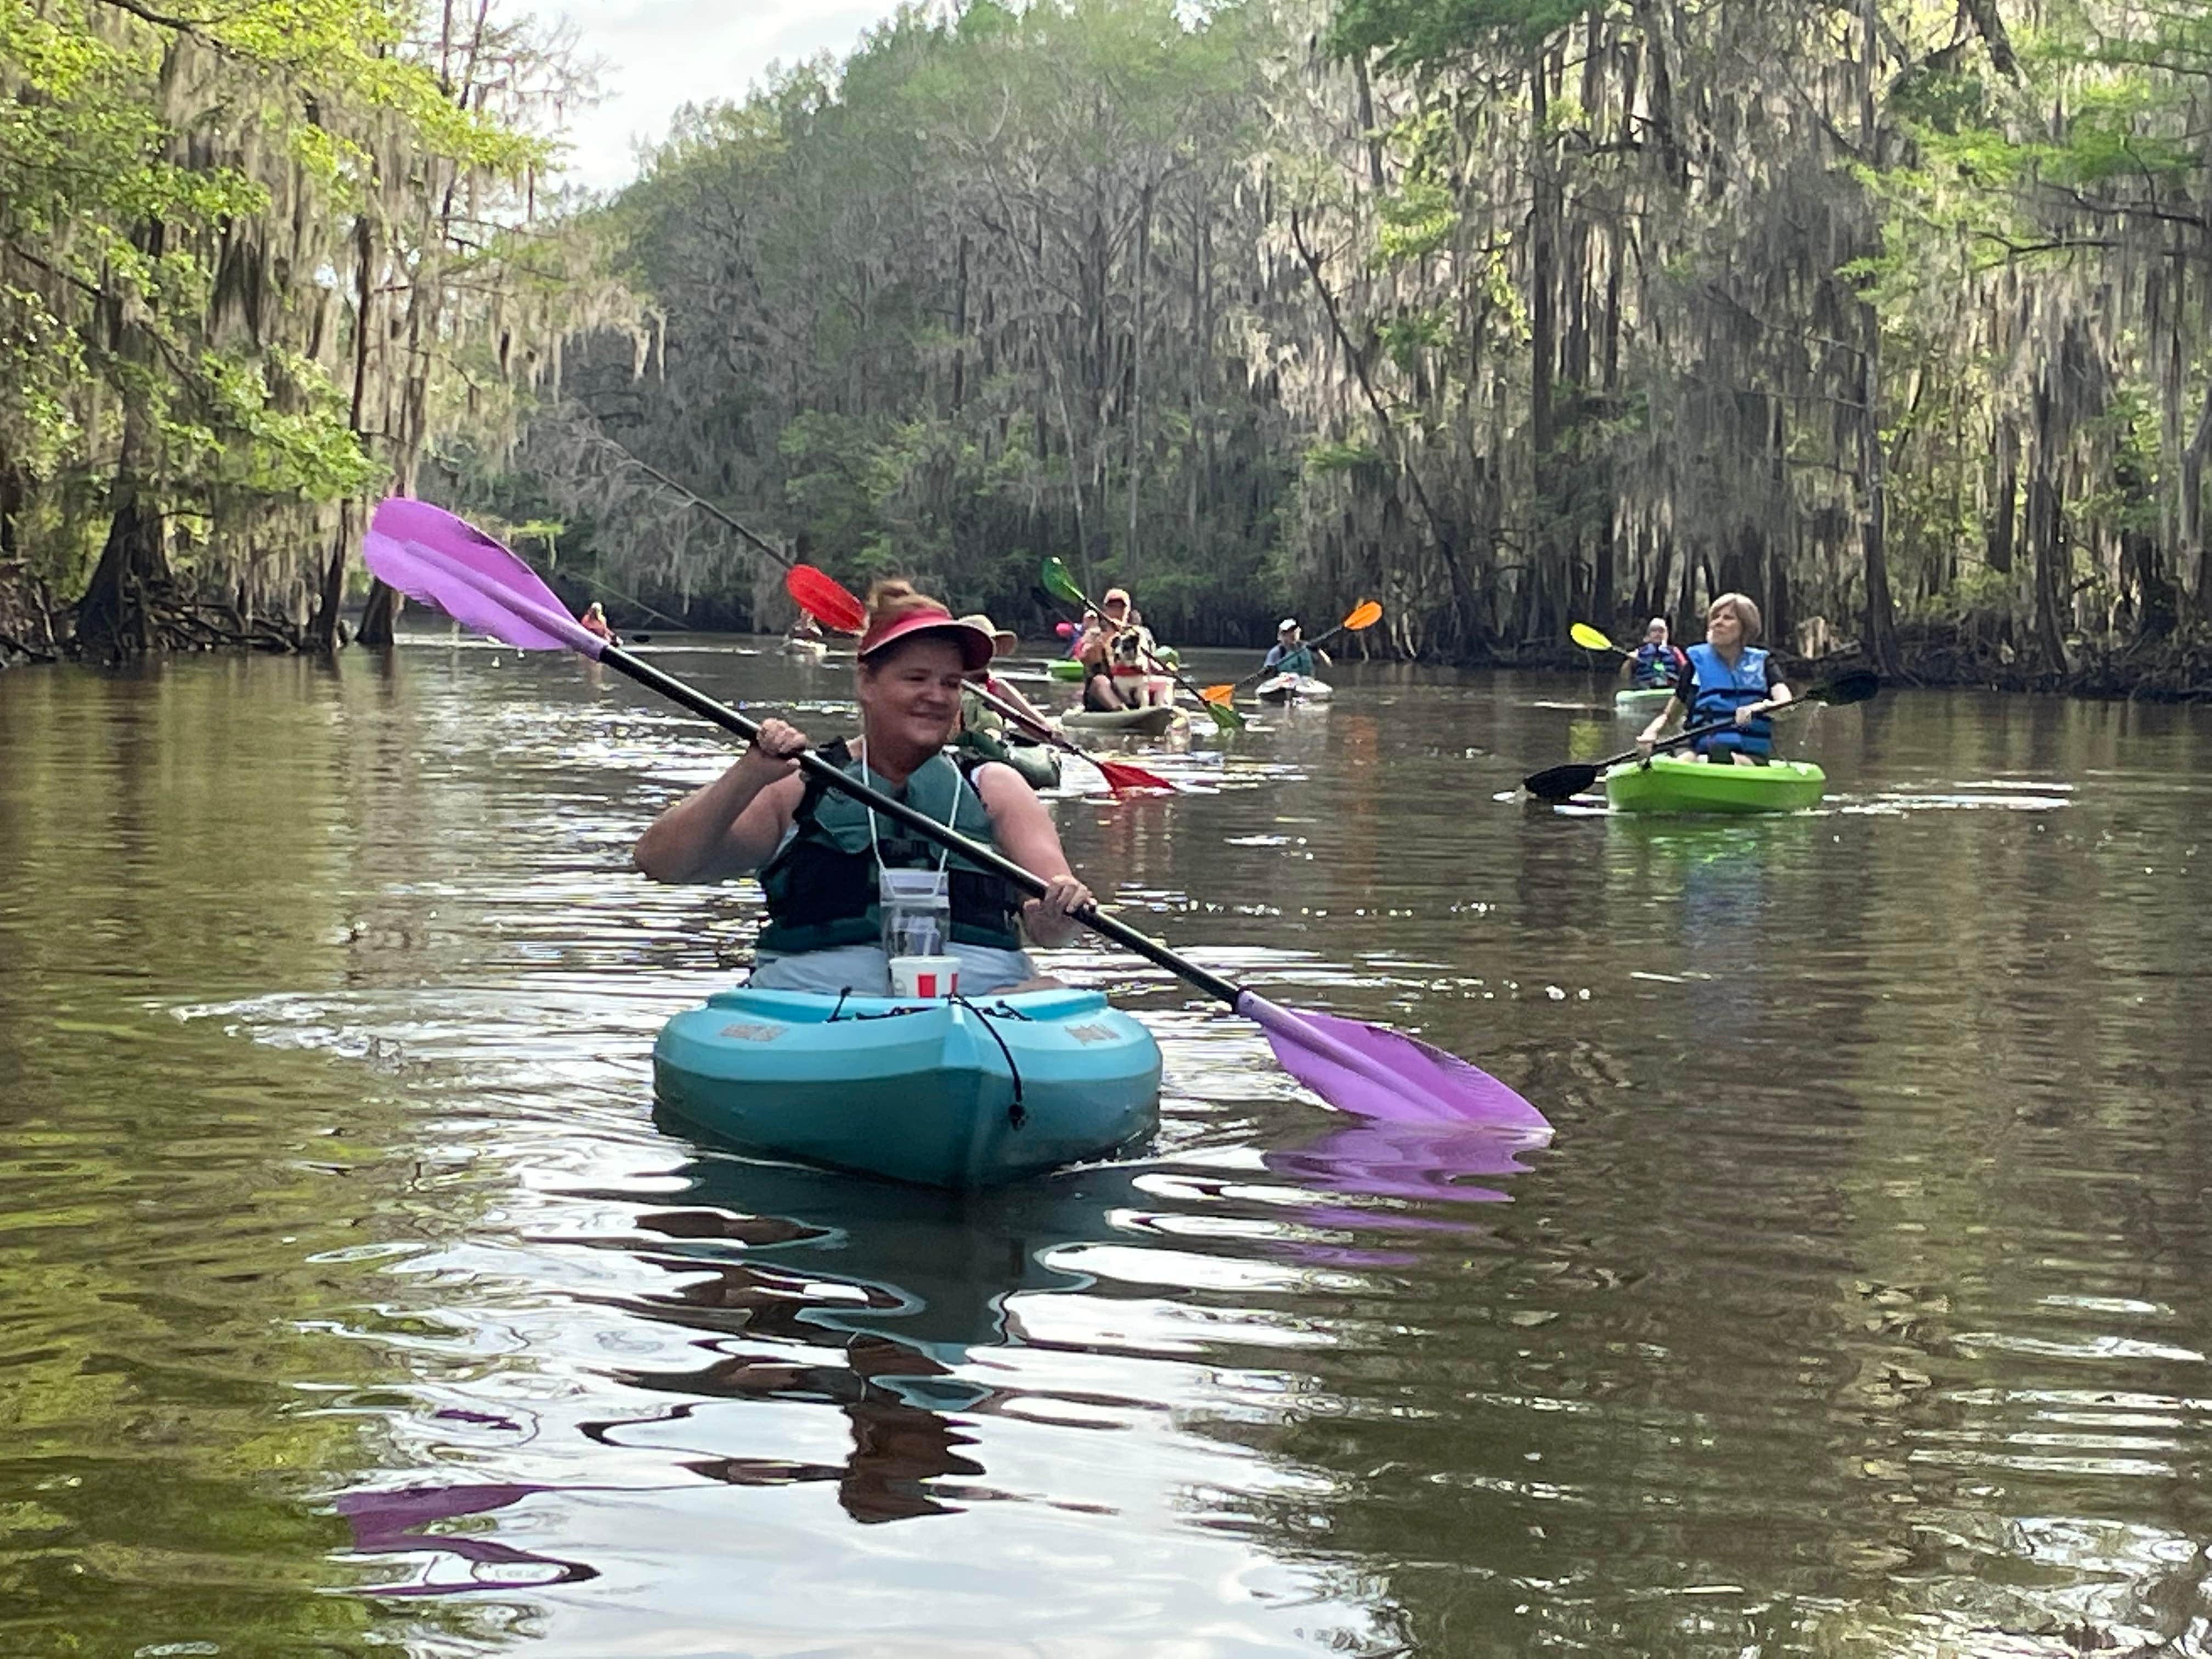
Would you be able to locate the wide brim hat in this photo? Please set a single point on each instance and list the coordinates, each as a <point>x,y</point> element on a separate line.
<point>1003,639</point>
<point>977,648</point>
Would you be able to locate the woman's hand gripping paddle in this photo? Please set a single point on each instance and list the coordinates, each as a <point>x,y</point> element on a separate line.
<point>822,597</point>
<point>431,555</point>
<point>1363,614</point>
<point>1062,587</point>
<point>1560,782</point>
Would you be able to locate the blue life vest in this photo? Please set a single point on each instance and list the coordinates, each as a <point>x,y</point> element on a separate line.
<point>1721,692</point>
<point>1655,665</point>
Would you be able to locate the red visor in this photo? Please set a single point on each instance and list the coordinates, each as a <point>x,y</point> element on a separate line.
<point>977,648</point>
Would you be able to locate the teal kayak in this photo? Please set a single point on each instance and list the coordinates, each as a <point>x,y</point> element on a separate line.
<point>1667,784</point>
<point>1645,701</point>
<point>973,1093</point>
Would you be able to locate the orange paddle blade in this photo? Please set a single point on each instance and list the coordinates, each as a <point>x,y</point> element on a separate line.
<point>1219,693</point>
<point>825,598</point>
<point>1365,614</point>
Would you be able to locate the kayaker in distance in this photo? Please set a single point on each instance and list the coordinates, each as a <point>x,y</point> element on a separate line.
<point>820,854</point>
<point>803,626</point>
<point>1654,663</point>
<point>1723,679</point>
<point>976,714</point>
<point>1290,654</point>
<point>594,621</point>
<point>1117,653</point>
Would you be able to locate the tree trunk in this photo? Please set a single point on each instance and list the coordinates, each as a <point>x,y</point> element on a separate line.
<point>114,620</point>
<point>2053,564</point>
<point>1873,529</point>
<point>380,615</point>
<point>1135,550</point>
<point>1543,348</point>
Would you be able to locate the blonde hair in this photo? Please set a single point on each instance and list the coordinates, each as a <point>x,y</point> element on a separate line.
<point>1747,612</point>
<point>893,597</point>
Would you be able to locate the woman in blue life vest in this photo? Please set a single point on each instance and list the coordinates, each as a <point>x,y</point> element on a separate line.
<point>1727,678</point>
<point>819,853</point>
<point>1654,663</point>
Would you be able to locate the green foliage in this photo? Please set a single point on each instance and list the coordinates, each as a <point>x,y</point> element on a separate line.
<point>177,186</point>
<point>1325,457</point>
<point>1409,32</point>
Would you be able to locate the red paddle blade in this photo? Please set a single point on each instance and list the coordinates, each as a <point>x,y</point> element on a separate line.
<point>429,555</point>
<point>825,600</point>
<point>1380,1073</point>
<point>1120,777</point>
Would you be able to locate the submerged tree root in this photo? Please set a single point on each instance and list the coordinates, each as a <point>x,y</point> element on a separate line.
<point>165,615</point>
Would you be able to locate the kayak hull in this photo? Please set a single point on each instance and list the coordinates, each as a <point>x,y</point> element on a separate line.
<point>1669,785</point>
<point>1646,701</point>
<point>1064,668</point>
<point>916,1090</point>
<point>1293,688</point>
<point>1038,765</point>
<point>806,650</point>
<point>1151,722</point>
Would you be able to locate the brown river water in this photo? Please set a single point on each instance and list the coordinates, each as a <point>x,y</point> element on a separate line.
<point>351,1302</point>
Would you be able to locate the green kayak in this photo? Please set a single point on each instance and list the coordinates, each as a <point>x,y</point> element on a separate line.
<point>1038,765</point>
<point>1646,701</point>
<point>1064,668</point>
<point>1666,784</point>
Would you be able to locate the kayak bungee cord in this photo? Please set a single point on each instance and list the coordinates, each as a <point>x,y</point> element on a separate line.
<point>429,555</point>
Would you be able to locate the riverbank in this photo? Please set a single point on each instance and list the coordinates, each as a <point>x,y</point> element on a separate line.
<point>34,629</point>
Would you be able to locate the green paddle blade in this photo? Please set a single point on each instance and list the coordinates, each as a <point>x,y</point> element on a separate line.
<point>1589,639</point>
<point>1059,584</point>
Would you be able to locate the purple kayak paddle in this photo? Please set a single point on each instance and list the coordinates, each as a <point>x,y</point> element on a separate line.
<point>429,555</point>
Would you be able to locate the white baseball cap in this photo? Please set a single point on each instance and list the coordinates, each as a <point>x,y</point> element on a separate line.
<point>1287,624</point>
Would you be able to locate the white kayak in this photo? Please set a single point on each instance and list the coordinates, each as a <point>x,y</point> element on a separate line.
<point>1293,688</point>
<point>806,650</point>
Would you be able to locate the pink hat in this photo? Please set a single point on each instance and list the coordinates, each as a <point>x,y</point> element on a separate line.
<point>976,647</point>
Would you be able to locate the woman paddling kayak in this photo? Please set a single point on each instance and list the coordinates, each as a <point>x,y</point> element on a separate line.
<point>1724,680</point>
<point>1290,654</point>
<point>1655,665</point>
<point>825,862</point>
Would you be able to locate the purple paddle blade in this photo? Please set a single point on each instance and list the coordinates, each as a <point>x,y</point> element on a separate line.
<point>1409,1160</point>
<point>1381,1074</point>
<point>429,555</point>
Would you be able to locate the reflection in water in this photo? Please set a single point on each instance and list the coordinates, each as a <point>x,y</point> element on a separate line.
<point>1858,1305</point>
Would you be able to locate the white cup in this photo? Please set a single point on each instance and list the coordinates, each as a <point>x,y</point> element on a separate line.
<point>925,976</point>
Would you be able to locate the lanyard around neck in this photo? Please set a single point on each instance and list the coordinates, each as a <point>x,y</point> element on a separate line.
<point>951,815</point>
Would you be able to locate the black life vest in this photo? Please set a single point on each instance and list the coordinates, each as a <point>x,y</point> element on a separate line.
<point>821,885</point>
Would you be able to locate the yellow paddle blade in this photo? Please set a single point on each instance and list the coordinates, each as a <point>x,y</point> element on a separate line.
<point>1589,639</point>
<point>1219,693</point>
<point>1365,614</point>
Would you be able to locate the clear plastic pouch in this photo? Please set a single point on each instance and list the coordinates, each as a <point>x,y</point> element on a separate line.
<point>917,911</point>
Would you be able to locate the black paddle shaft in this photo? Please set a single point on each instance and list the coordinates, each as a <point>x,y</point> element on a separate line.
<point>920,823</point>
